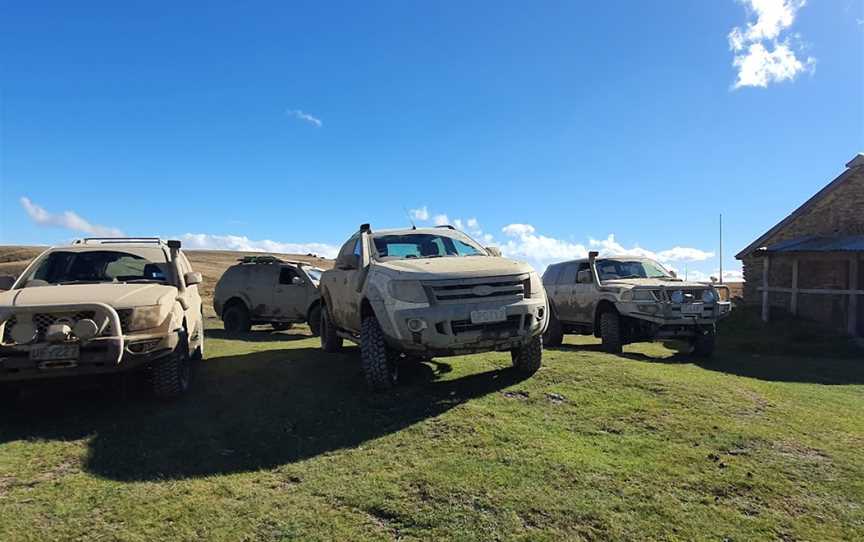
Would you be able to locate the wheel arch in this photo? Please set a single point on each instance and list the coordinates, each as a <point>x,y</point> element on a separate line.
<point>603,306</point>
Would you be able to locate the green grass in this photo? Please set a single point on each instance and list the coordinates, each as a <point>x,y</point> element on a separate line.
<point>279,441</point>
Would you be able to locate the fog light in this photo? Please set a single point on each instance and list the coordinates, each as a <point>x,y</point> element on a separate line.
<point>141,347</point>
<point>85,329</point>
<point>648,309</point>
<point>416,325</point>
<point>23,332</point>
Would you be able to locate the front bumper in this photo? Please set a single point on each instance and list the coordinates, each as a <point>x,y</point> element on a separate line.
<point>668,320</point>
<point>449,330</point>
<point>111,352</point>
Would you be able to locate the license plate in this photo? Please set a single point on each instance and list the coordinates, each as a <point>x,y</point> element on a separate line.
<point>488,316</point>
<point>692,308</point>
<point>47,352</point>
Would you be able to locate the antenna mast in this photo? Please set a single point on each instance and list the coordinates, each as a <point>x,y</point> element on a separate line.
<point>721,248</point>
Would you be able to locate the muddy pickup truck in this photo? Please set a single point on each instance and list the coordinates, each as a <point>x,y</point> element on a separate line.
<point>419,293</point>
<point>627,299</point>
<point>268,290</point>
<point>103,306</point>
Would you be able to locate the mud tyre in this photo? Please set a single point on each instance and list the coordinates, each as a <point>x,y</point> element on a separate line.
<point>610,332</point>
<point>281,326</point>
<point>379,361</point>
<point>554,334</point>
<point>330,341</point>
<point>315,320</point>
<point>236,320</point>
<point>172,377</point>
<point>703,345</point>
<point>527,359</point>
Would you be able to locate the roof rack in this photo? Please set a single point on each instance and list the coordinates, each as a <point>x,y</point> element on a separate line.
<point>260,259</point>
<point>445,226</point>
<point>116,240</point>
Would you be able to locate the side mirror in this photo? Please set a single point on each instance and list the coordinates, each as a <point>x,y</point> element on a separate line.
<point>193,278</point>
<point>6,282</point>
<point>348,263</point>
<point>494,251</point>
<point>674,274</point>
<point>584,277</point>
<point>296,281</point>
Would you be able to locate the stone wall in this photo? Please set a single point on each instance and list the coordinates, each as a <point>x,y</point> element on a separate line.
<point>840,212</point>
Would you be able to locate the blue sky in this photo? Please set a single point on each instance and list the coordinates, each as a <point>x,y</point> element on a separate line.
<point>550,124</point>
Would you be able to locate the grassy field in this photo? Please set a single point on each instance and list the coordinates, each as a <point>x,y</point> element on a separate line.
<point>279,441</point>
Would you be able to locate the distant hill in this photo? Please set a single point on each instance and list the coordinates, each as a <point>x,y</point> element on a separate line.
<point>210,263</point>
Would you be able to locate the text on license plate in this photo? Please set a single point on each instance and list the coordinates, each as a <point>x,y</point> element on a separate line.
<point>691,308</point>
<point>488,316</point>
<point>42,352</point>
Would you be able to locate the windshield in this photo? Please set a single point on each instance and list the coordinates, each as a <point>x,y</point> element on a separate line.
<point>424,245</point>
<point>631,269</point>
<point>61,267</point>
<point>314,273</point>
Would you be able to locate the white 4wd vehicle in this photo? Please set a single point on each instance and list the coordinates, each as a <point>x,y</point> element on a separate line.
<point>267,290</point>
<point>429,292</point>
<point>99,306</point>
<point>627,299</point>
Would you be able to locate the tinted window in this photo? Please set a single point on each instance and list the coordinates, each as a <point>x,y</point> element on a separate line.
<point>423,245</point>
<point>551,274</point>
<point>286,275</point>
<point>568,274</point>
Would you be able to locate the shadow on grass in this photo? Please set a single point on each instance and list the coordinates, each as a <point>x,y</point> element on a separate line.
<point>246,412</point>
<point>256,335</point>
<point>775,368</point>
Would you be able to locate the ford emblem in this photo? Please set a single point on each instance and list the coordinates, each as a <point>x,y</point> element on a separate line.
<point>482,291</point>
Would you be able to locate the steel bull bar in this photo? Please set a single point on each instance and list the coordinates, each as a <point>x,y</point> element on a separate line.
<point>114,338</point>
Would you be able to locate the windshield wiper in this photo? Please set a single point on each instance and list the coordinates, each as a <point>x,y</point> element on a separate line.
<point>81,281</point>
<point>161,281</point>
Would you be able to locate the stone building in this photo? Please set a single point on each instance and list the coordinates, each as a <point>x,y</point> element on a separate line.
<point>811,264</point>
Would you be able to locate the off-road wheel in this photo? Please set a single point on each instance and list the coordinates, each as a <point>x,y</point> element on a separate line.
<point>315,320</point>
<point>172,376</point>
<point>236,319</point>
<point>554,334</point>
<point>703,344</point>
<point>528,358</point>
<point>281,326</point>
<point>610,332</point>
<point>380,362</point>
<point>330,341</point>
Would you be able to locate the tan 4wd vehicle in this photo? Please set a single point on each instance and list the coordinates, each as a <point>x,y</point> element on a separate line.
<point>623,300</point>
<point>103,305</point>
<point>429,292</point>
<point>267,290</point>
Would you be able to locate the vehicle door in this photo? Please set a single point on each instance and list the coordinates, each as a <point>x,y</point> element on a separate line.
<point>260,284</point>
<point>339,284</point>
<point>193,299</point>
<point>564,292</point>
<point>289,294</point>
<point>584,294</point>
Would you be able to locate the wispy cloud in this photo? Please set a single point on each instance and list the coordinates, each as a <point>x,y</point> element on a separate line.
<point>244,244</point>
<point>762,55</point>
<point>305,117</point>
<point>67,219</point>
<point>421,213</point>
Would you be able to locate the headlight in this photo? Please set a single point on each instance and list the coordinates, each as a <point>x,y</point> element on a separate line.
<point>533,286</point>
<point>409,291</point>
<point>708,296</point>
<point>145,318</point>
<point>677,296</point>
<point>644,295</point>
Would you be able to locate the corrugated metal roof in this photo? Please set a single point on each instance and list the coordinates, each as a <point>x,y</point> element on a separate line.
<point>814,243</point>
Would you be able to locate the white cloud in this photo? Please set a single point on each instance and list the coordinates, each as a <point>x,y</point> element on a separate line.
<point>67,219</point>
<point>244,244</point>
<point>684,254</point>
<point>441,220</point>
<point>305,117</point>
<point>761,57</point>
<point>421,213</point>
